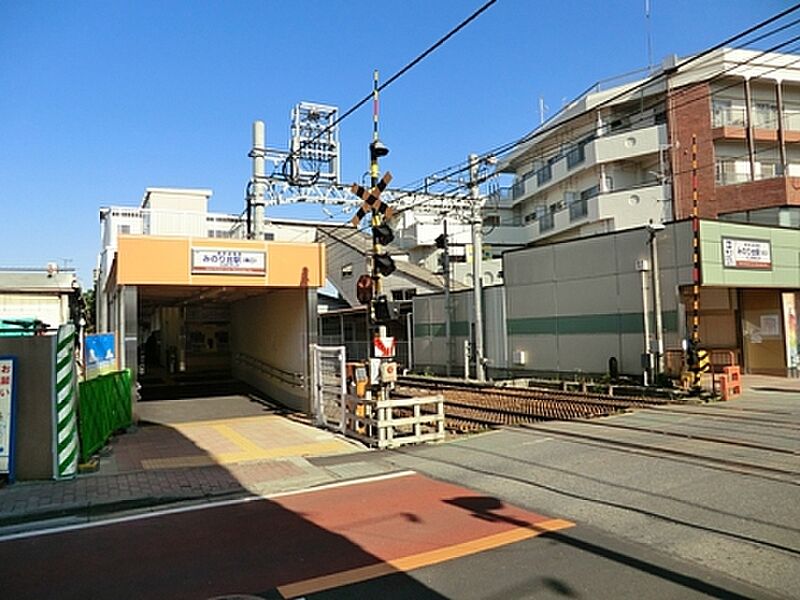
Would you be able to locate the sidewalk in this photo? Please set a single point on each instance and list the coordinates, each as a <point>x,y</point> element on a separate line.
<point>190,451</point>
<point>208,449</point>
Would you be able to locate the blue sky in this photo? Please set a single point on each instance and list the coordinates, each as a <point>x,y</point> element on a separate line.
<point>99,100</point>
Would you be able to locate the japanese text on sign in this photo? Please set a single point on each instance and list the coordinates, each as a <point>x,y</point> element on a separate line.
<point>229,262</point>
<point>6,391</point>
<point>746,254</point>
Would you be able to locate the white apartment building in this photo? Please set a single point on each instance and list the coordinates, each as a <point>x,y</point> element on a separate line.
<point>621,157</point>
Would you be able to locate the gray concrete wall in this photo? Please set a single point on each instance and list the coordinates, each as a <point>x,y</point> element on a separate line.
<point>34,418</point>
<point>571,306</point>
<point>430,342</point>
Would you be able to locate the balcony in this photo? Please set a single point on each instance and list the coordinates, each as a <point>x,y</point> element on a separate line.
<point>626,145</point>
<point>623,209</point>
<point>753,195</point>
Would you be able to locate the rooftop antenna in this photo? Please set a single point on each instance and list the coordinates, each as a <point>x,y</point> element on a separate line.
<point>542,109</point>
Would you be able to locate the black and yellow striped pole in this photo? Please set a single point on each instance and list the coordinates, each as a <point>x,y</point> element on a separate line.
<point>694,341</point>
<point>376,151</point>
<point>373,155</point>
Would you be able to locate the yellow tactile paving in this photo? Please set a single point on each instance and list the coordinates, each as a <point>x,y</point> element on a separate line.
<point>228,441</point>
<point>243,442</point>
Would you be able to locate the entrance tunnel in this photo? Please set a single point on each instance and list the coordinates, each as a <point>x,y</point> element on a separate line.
<point>202,316</point>
<point>219,340</point>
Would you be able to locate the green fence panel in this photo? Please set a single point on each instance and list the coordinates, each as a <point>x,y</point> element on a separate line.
<point>105,406</point>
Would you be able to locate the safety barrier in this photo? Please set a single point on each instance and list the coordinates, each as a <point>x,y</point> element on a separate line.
<point>397,421</point>
<point>105,407</point>
<point>730,382</point>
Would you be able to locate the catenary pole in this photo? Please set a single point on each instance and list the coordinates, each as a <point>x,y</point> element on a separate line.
<point>477,267</point>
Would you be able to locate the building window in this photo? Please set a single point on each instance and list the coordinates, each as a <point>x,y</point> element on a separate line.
<point>123,229</point>
<point>577,154</point>
<point>404,294</point>
<point>547,220</point>
<point>767,170</point>
<point>544,174</point>
<point>590,193</point>
<point>791,117</point>
<point>347,271</point>
<point>518,189</point>
<point>731,172</point>
<point>725,114</point>
<point>578,207</point>
<point>765,115</point>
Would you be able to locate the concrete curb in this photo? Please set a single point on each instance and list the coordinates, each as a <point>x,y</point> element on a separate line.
<point>87,512</point>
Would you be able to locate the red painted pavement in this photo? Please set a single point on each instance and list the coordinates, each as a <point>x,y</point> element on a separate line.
<point>254,547</point>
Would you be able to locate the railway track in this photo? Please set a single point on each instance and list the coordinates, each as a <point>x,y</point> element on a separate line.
<point>471,408</point>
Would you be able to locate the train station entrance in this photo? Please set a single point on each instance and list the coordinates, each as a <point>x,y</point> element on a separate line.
<point>201,315</point>
<point>754,328</point>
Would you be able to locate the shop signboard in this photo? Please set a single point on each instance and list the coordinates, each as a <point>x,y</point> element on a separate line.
<point>738,253</point>
<point>8,375</point>
<point>224,261</point>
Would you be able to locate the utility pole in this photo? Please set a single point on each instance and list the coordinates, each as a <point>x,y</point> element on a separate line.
<point>477,267</point>
<point>658,366</point>
<point>447,310</point>
<point>643,267</point>
<point>258,154</point>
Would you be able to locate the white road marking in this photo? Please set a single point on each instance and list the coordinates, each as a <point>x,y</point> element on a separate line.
<point>204,506</point>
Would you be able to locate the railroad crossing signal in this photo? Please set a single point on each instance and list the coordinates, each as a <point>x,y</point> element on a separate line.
<point>703,361</point>
<point>372,200</point>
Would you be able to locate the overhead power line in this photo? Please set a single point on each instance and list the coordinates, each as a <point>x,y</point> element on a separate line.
<point>462,167</point>
<point>431,49</point>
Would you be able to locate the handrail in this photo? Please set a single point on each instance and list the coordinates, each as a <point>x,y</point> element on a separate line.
<point>282,375</point>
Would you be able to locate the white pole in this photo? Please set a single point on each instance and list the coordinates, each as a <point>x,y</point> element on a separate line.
<point>477,267</point>
<point>646,317</point>
<point>659,349</point>
<point>258,154</point>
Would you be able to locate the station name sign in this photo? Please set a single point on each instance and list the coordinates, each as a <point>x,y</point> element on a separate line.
<point>223,261</point>
<point>740,253</point>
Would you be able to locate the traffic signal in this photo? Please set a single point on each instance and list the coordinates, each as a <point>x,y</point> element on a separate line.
<point>364,289</point>
<point>383,234</point>
<point>385,310</point>
<point>441,241</point>
<point>384,264</point>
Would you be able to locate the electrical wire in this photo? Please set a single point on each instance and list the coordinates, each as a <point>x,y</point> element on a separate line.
<point>499,151</point>
<point>435,46</point>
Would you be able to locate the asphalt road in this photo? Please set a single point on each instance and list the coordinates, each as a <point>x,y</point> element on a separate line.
<point>401,537</point>
<point>689,502</point>
<point>717,486</point>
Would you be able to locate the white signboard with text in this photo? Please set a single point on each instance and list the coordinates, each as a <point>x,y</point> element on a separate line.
<point>746,254</point>
<point>222,261</point>
<point>7,402</point>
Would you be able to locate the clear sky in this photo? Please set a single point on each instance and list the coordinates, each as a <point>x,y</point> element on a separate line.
<point>101,99</point>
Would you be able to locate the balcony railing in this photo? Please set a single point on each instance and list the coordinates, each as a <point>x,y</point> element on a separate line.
<point>578,209</point>
<point>729,117</point>
<point>547,222</point>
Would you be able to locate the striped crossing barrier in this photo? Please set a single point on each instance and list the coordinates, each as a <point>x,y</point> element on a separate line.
<point>66,429</point>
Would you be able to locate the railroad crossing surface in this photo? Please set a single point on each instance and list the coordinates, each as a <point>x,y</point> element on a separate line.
<point>663,502</point>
